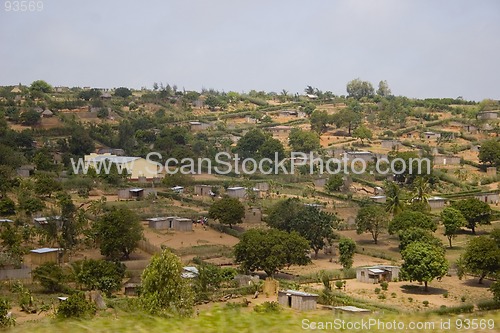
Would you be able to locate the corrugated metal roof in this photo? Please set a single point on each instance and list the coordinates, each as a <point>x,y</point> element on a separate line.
<point>300,293</point>
<point>45,250</point>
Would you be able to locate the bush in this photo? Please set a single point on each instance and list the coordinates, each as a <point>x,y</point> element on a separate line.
<point>76,306</point>
<point>488,305</point>
<point>384,285</point>
<point>466,308</point>
<point>463,299</point>
<point>425,303</point>
<point>445,294</point>
<point>339,284</point>
<point>268,307</point>
<point>410,299</point>
<point>393,295</point>
<point>377,290</point>
<point>5,319</point>
<point>382,296</point>
<point>102,275</point>
<point>51,276</point>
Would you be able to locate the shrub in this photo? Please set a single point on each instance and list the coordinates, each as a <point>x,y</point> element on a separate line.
<point>488,305</point>
<point>463,299</point>
<point>102,275</point>
<point>393,295</point>
<point>466,308</point>
<point>5,319</point>
<point>425,303</point>
<point>384,285</point>
<point>51,276</point>
<point>339,284</point>
<point>377,290</point>
<point>410,299</point>
<point>382,296</point>
<point>445,294</point>
<point>76,306</point>
<point>268,307</point>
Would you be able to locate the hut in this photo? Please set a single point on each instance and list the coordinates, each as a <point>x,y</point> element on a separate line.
<point>161,223</point>
<point>182,224</point>
<point>136,193</point>
<point>491,198</point>
<point>366,156</point>
<point>236,192</point>
<point>391,144</point>
<point>297,300</point>
<point>377,274</point>
<point>320,182</point>
<point>431,135</point>
<point>485,115</point>
<point>203,190</point>
<point>132,286</point>
<point>196,126</point>
<point>436,202</point>
<point>470,129</point>
<point>46,254</point>
<point>253,215</point>
<point>447,160</point>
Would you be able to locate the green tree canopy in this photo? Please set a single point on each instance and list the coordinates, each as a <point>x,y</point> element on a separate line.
<point>415,234</point>
<point>102,275</point>
<point>123,92</point>
<point>489,153</point>
<point>408,219</point>
<point>334,183</point>
<point>481,257</point>
<point>423,262</point>
<point>347,248</point>
<point>164,292</point>
<point>118,232</point>
<point>453,221</point>
<point>362,133</point>
<point>358,89</point>
<point>227,210</point>
<point>303,141</point>
<point>475,211</point>
<point>271,250</point>
<point>372,219</point>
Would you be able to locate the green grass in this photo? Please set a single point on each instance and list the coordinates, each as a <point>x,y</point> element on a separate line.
<point>226,321</point>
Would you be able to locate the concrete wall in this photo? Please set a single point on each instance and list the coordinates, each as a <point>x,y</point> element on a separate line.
<point>447,160</point>
<point>202,190</point>
<point>239,193</point>
<point>491,198</point>
<point>436,204</point>
<point>253,215</point>
<point>22,273</point>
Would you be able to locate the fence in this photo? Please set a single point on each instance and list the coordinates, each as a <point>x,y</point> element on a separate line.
<point>23,273</point>
<point>147,247</point>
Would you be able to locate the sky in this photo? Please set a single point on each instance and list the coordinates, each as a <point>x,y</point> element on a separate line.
<point>423,48</point>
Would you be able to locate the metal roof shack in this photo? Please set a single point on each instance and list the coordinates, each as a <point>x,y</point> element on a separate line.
<point>298,300</point>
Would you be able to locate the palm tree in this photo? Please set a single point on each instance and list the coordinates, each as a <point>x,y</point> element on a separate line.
<point>394,202</point>
<point>421,191</point>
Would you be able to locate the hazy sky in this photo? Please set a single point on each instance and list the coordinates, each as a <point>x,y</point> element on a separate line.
<point>422,48</point>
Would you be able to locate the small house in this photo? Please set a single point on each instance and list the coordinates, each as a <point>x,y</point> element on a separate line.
<point>366,156</point>
<point>182,224</point>
<point>177,189</point>
<point>297,300</point>
<point>132,286</point>
<point>470,129</point>
<point>106,95</point>
<point>253,215</point>
<point>262,186</point>
<point>378,198</point>
<point>197,126</point>
<point>6,221</point>
<point>490,198</point>
<point>431,135</point>
<point>47,113</point>
<point>377,274</point>
<point>288,113</point>
<point>16,90</point>
<point>412,135</point>
<point>135,193</point>
<point>246,280</point>
<point>160,223</point>
<point>320,182</point>
<point>25,171</point>
<point>391,144</point>
<point>280,129</point>
<point>486,115</point>
<point>203,190</point>
<point>447,160</point>
<point>491,171</point>
<point>44,221</point>
<point>436,202</point>
<point>475,148</point>
<point>46,254</point>
<point>236,192</point>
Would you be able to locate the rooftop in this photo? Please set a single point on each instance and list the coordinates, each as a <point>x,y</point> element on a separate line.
<point>299,293</point>
<point>46,250</point>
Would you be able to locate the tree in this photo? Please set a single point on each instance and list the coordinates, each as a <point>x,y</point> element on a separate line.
<point>421,191</point>
<point>481,257</point>
<point>372,219</point>
<point>164,292</point>
<point>40,86</point>
<point>348,118</point>
<point>30,118</point>
<point>315,226</point>
<point>102,275</point>
<point>46,184</point>
<point>227,210</point>
<point>452,220</point>
<point>362,133</point>
<point>51,276</point>
<point>358,89</point>
<point>42,161</point>
<point>475,211</point>
<point>334,183</point>
<point>250,143</point>
<point>383,89</point>
<point>415,234</point>
<point>118,232</point>
<point>347,248</point>
<point>6,320</point>
<point>7,206</point>
<point>76,306</point>
<point>408,219</point>
<point>319,121</point>
<point>270,250</point>
<point>423,262</point>
<point>284,211</point>
<point>270,147</point>
<point>123,92</point>
<point>489,153</point>
<point>303,141</point>
<point>495,290</point>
